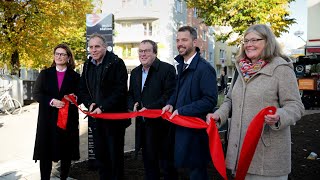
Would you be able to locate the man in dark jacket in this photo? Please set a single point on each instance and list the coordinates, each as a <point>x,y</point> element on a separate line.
<point>195,95</point>
<point>103,88</point>
<point>151,85</point>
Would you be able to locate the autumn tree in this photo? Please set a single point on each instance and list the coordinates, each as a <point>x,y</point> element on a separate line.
<point>240,14</point>
<point>31,28</point>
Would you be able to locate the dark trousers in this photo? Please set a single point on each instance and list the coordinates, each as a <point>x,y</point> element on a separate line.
<point>198,173</point>
<point>46,167</point>
<point>109,151</point>
<point>157,153</point>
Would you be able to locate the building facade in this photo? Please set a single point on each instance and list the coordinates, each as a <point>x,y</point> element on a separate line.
<point>225,57</point>
<point>136,20</point>
<point>205,35</point>
<point>313,42</point>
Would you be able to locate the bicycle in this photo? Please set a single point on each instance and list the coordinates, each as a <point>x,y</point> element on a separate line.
<point>8,104</point>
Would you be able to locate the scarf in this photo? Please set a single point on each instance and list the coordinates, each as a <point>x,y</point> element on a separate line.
<point>248,69</point>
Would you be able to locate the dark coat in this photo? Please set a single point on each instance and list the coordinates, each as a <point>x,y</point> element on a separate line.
<point>113,88</point>
<point>52,142</point>
<point>158,87</point>
<point>195,95</point>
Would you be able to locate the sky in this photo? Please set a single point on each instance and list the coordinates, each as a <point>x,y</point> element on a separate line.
<point>298,10</point>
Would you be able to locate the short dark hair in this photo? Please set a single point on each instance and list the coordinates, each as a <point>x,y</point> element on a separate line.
<point>70,63</point>
<point>192,31</point>
<point>154,45</point>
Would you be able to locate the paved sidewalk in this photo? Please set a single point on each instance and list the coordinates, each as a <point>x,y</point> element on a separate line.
<point>17,136</point>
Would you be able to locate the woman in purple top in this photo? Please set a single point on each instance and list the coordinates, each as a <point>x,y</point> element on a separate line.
<point>53,143</point>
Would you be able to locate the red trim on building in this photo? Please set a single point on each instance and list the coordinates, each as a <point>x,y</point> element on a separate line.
<point>313,40</point>
<point>313,50</point>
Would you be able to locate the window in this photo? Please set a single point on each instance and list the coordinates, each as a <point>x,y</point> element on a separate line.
<point>128,3</point>
<point>210,57</point>
<point>147,3</point>
<point>195,12</point>
<point>204,54</point>
<point>147,27</point>
<point>233,57</point>
<point>204,37</point>
<point>179,6</point>
<point>222,56</point>
<point>195,28</point>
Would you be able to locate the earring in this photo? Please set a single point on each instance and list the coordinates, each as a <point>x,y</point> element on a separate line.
<point>68,60</point>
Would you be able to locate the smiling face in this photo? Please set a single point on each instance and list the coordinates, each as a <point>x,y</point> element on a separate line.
<point>253,46</point>
<point>146,54</point>
<point>61,57</point>
<point>185,44</point>
<point>97,49</point>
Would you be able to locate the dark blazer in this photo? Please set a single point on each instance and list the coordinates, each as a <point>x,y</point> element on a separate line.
<point>52,142</point>
<point>158,87</point>
<point>113,88</point>
<point>195,95</point>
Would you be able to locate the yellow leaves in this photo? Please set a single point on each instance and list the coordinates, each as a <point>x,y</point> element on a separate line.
<point>35,27</point>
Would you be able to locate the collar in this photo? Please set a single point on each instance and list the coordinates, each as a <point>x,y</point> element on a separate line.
<point>190,59</point>
<point>95,62</point>
<point>63,70</point>
<point>155,65</point>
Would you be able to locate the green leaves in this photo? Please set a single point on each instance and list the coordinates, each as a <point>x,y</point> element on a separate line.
<point>240,14</point>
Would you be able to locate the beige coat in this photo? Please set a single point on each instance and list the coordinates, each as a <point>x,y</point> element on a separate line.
<point>274,85</point>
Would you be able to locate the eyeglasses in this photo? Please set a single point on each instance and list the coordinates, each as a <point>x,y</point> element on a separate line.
<point>252,41</point>
<point>146,51</point>
<point>60,54</point>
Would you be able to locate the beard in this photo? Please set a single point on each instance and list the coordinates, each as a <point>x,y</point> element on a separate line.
<point>186,52</point>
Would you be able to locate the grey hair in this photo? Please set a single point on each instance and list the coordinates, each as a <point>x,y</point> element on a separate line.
<point>272,48</point>
<point>100,36</point>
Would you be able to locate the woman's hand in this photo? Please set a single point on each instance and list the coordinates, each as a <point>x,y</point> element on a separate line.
<point>57,103</point>
<point>67,97</point>
<point>213,116</point>
<point>272,119</point>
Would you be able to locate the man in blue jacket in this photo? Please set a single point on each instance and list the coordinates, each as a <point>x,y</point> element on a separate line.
<point>195,95</point>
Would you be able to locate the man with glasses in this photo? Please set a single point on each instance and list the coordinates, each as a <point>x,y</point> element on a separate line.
<point>103,88</point>
<point>151,84</point>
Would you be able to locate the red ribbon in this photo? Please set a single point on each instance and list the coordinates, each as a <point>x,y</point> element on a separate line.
<point>251,141</point>
<point>63,115</point>
<point>216,152</point>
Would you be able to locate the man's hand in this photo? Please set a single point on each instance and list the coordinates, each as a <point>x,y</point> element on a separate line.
<point>57,103</point>
<point>143,109</point>
<point>174,113</point>
<point>168,108</point>
<point>96,111</point>
<point>213,116</point>
<point>92,106</point>
<point>135,107</point>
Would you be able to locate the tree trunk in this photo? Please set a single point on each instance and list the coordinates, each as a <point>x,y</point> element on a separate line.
<point>15,64</point>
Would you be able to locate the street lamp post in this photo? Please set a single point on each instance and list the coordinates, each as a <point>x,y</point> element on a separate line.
<point>299,34</point>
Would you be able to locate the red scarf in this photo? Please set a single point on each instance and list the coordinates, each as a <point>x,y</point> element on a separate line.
<point>248,68</point>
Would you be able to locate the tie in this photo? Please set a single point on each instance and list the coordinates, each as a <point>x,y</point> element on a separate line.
<point>184,66</point>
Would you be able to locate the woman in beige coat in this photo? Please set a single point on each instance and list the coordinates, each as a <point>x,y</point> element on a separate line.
<point>265,79</point>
